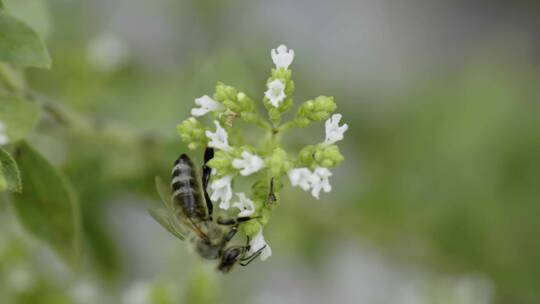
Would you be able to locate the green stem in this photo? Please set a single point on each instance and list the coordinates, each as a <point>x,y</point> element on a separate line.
<point>263,123</point>
<point>287,126</point>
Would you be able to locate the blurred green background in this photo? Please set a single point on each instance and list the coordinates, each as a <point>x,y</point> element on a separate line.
<point>438,200</point>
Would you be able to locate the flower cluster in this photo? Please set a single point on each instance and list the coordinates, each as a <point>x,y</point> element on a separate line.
<point>266,163</point>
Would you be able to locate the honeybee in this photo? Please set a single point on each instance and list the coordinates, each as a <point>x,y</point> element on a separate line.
<point>188,214</point>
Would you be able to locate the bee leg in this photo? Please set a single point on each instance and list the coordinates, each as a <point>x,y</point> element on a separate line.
<point>229,236</point>
<point>233,231</point>
<point>206,172</point>
<point>246,261</point>
<point>231,222</point>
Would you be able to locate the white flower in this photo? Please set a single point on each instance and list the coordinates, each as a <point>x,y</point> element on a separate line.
<point>334,132</point>
<point>138,293</point>
<point>218,139</point>
<point>320,181</point>
<point>20,278</point>
<point>246,206</point>
<point>3,136</point>
<point>301,177</point>
<point>222,191</point>
<point>206,104</point>
<point>85,292</point>
<point>282,58</point>
<point>257,243</point>
<point>107,52</point>
<point>248,164</point>
<point>314,181</point>
<point>275,92</point>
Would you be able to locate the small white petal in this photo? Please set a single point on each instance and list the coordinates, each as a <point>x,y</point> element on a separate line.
<point>334,132</point>
<point>246,206</point>
<point>248,164</point>
<point>206,104</point>
<point>275,92</point>
<point>218,139</point>
<point>257,243</point>
<point>314,181</point>
<point>282,58</point>
<point>222,191</point>
<point>198,112</point>
<point>321,181</point>
<point>301,177</point>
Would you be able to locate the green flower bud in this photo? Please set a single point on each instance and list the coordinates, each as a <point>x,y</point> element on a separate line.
<point>321,155</point>
<point>328,156</point>
<point>260,189</point>
<point>249,117</point>
<point>237,103</point>
<point>221,92</point>
<point>281,73</point>
<point>278,163</point>
<point>306,155</point>
<point>265,215</point>
<point>222,162</point>
<point>315,110</point>
<point>275,115</point>
<point>251,228</point>
<point>192,133</point>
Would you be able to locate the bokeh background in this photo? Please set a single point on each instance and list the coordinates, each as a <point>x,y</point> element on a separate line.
<point>438,200</point>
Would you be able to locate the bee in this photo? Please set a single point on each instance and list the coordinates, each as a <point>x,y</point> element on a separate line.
<point>188,214</point>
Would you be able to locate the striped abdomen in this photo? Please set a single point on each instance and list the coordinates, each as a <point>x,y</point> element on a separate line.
<point>186,190</point>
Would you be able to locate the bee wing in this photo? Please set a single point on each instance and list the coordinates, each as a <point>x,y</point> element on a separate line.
<point>167,221</point>
<point>164,193</point>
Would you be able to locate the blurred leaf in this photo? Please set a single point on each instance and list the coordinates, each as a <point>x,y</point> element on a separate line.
<point>32,12</point>
<point>47,207</point>
<point>20,45</point>
<point>202,287</point>
<point>160,295</point>
<point>9,173</point>
<point>1,4</point>
<point>11,77</point>
<point>3,180</point>
<point>85,169</point>
<point>19,116</point>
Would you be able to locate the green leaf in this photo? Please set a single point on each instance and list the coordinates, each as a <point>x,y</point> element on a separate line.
<point>35,13</point>
<point>47,207</point>
<point>11,77</point>
<point>9,173</point>
<point>1,4</point>
<point>20,45</point>
<point>19,116</point>
<point>3,180</point>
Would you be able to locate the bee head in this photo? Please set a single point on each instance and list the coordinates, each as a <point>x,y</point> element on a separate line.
<point>228,259</point>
